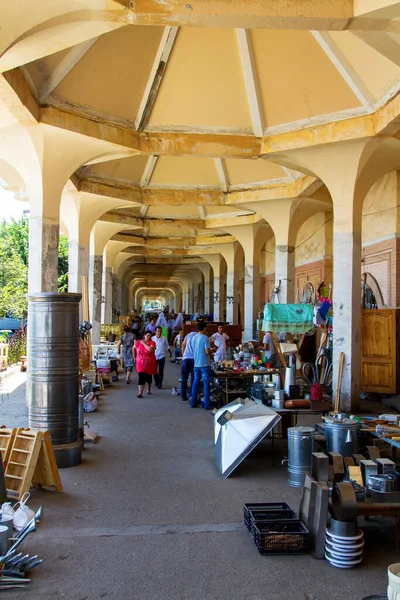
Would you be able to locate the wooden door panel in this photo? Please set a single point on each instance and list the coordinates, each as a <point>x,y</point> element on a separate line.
<point>379,351</point>
<point>377,375</point>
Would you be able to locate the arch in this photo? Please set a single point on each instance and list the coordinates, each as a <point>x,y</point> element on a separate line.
<point>371,282</point>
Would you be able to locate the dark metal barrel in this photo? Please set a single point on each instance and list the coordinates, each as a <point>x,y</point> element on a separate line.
<point>53,371</point>
<point>342,436</point>
<point>300,449</point>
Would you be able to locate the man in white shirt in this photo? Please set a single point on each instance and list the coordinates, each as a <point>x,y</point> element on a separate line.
<point>187,363</point>
<point>162,347</point>
<point>220,340</point>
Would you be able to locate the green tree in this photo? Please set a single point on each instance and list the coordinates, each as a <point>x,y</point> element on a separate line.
<point>63,264</point>
<point>14,252</point>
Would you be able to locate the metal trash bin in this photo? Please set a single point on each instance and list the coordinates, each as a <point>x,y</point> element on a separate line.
<point>342,436</point>
<point>300,449</point>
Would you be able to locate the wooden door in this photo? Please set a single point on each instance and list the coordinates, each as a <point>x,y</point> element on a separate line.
<point>379,351</point>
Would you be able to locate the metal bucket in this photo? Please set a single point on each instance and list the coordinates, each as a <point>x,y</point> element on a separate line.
<point>4,539</point>
<point>341,436</point>
<point>300,449</point>
<point>53,385</point>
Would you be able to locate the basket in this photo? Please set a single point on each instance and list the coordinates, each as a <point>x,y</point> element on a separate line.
<point>282,537</point>
<point>267,511</point>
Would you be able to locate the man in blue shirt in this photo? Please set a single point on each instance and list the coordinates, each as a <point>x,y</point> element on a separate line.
<point>202,370</point>
<point>187,363</point>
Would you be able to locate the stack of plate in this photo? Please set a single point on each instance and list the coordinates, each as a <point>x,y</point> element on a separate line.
<point>344,545</point>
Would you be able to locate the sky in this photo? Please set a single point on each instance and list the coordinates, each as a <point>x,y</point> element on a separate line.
<point>9,207</point>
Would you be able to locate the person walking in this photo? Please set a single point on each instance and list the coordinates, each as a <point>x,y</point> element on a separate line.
<point>220,341</point>
<point>146,366</point>
<point>187,364</point>
<point>162,347</point>
<point>202,369</point>
<point>127,341</point>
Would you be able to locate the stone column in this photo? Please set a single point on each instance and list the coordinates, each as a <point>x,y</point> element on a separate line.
<point>43,253</point>
<point>106,316</point>
<point>285,273</point>
<point>78,264</point>
<point>95,294</point>
<point>115,306</point>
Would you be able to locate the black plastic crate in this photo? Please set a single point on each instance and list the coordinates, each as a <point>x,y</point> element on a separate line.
<point>270,510</point>
<point>282,537</point>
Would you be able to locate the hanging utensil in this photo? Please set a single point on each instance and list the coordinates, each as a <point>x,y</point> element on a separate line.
<point>309,373</point>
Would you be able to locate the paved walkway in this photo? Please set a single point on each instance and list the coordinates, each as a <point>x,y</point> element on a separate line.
<point>147,516</point>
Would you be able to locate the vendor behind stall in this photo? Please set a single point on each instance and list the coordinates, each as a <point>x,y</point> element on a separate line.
<point>220,341</point>
<point>269,348</point>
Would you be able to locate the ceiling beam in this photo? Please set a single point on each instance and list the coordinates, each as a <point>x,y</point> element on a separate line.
<point>250,79</point>
<point>69,61</point>
<point>222,176</point>
<point>149,142</point>
<point>149,197</point>
<point>148,170</point>
<point>318,14</point>
<point>341,63</point>
<point>155,78</point>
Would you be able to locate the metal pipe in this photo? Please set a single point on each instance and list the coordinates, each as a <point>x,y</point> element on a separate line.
<point>18,541</point>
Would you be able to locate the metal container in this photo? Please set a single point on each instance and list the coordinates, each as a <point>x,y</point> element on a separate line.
<point>257,378</point>
<point>341,436</point>
<point>53,386</point>
<point>7,521</point>
<point>279,395</point>
<point>300,449</point>
<point>278,404</point>
<point>276,380</point>
<point>4,540</point>
<point>290,379</point>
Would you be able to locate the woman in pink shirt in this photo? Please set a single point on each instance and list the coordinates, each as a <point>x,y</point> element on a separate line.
<point>146,364</point>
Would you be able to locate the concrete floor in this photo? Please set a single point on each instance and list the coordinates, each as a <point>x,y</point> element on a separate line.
<point>147,516</point>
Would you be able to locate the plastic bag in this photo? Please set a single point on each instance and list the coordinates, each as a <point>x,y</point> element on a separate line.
<point>23,514</point>
<point>90,403</point>
<point>7,510</point>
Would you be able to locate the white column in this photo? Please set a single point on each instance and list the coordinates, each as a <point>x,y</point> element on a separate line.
<point>115,306</point>
<point>230,296</point>
<point>251,297</point>
<point>347,314</point>
<point>95,294</point>
<point>285,273</point>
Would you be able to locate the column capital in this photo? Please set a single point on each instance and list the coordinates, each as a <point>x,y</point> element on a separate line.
<point>286,248</point>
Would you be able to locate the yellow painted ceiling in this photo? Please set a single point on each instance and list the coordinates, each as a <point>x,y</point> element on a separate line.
<point>245,171</point>
<point>296,78</point>
<point>129,169</point>
<point>376,71</point>
<point>112,75</point>
<point>173,170</point>
<point>203,84</point>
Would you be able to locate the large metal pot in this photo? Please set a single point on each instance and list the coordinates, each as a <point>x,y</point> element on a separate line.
<point>53,385</point>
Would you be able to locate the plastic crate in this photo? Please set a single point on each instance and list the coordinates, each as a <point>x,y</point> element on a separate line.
<point>275,510</point>
<point>282,537</point>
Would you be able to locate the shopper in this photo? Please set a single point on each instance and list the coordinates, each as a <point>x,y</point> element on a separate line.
<point>187,364</point>
<point>162,347</point>
<point>151,326</point>
<point>220,340</point>
<point>202,369</point>
<point>269,348</point>
<point>177,346</point>
<point>127,341</point>
<point>146,365</point>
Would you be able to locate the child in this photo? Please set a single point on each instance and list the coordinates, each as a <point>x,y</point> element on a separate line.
<point>177,346</point>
